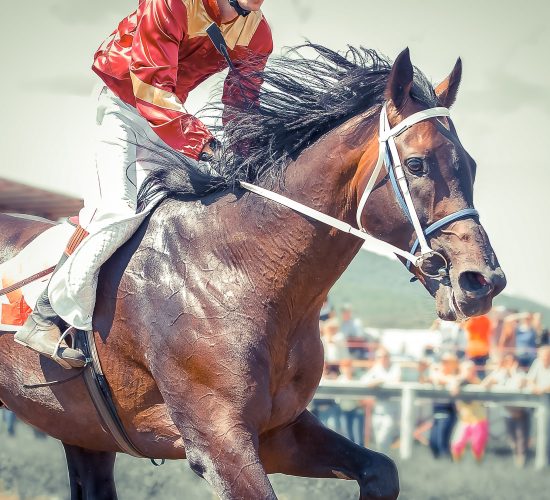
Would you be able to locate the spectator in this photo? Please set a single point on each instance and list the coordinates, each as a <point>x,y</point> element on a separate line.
<point>423,370</point>
<point>544,338</point>
<point>536,324</point>
<point>526,341</point>
<point>327,311</point>
<point>507,338</point>
<point>538,377</point>
<point>10,419</point>
<point>520,333</point>
<point>386,412</point>
<point>473,425</point>
<point>453,336</point>
<point>327,410</point>
<point>497,316</point>
<point>334,342</point>
<point>429,355</point>
<point>508,376</point>
<point>446,373</point>
<point>478,345</point>
<point>352,415</point>
<point>353,331</point>
<point>351,327</point>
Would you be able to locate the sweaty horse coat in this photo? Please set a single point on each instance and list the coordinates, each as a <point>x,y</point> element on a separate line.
<point>207,319</point>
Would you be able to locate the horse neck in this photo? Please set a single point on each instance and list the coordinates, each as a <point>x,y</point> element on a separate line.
<point>307,257</point>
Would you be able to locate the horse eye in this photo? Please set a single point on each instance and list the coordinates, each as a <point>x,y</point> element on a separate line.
<point>415,165</point>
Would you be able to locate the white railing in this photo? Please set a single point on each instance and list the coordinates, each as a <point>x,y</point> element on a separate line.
<point>409,392</point>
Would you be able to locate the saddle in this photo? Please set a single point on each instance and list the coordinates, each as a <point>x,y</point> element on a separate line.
<point>24,277</point>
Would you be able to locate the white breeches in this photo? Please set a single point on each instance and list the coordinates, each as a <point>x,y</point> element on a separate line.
<point>123,142</point>
<point>123,159</point>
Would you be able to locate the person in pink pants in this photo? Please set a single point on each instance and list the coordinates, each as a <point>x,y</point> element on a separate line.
<point>473,426</point>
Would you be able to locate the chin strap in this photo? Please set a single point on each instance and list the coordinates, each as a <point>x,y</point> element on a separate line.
<point>235,4</point>
<point>215,34</point>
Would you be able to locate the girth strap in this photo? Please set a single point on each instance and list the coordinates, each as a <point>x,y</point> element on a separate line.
<point>100,393</point>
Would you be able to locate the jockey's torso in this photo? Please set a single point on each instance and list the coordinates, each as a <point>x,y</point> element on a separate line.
<point>159,53</point>
<point>149,64</point>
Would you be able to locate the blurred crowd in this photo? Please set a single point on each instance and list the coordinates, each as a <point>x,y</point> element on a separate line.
<point>504,349</point>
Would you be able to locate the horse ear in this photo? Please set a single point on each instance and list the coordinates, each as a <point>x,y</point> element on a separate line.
<point>446,91</point>
<point>400,80</point>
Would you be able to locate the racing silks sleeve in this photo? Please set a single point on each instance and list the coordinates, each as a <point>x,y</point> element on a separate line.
<point>154,70</point>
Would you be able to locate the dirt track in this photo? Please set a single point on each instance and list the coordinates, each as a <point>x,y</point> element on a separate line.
<point>35,468</point>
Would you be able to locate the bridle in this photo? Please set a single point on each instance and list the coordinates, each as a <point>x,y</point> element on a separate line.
<point>388,156</point>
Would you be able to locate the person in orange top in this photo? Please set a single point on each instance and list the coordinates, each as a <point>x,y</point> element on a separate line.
<point>478,345</point>
<point>148,66</point>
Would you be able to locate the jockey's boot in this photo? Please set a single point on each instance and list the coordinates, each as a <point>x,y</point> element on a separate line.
<point>41,332</point>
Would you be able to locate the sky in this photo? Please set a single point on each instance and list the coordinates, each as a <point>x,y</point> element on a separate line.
<point>502,112</point>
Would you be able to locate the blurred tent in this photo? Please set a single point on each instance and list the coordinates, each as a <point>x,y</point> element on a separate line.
<point>23,199</point>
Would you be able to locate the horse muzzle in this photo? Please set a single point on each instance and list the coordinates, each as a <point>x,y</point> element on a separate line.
<point>469,293</point>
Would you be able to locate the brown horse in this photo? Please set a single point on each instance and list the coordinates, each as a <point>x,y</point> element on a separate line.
<point>207,321</point>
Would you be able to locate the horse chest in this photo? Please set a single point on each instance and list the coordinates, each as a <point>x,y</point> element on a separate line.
<point>298,381</point>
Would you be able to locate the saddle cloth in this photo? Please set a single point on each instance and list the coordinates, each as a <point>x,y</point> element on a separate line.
<point>72,289</point>
<point>43,252</point>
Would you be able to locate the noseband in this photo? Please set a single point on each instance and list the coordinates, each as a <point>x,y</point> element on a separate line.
<point>388,156</point>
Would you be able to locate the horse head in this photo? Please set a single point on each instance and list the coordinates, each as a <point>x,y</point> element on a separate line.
<point>462,273</point>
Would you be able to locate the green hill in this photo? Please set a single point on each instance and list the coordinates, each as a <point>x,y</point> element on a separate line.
<point>382,296</point>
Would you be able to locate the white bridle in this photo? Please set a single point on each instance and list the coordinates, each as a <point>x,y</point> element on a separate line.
<point>388,156</point>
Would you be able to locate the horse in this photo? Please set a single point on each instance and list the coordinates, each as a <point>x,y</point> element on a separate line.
<point>207,320</point>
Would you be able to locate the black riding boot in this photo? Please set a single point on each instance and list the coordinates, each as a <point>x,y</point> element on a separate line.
<point>41,332</point>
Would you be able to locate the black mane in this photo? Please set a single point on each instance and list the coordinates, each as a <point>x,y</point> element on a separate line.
<point>301,100</point>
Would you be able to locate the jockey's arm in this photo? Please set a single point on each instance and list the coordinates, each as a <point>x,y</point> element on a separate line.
<point>154,69</point>
<point>242,87</point>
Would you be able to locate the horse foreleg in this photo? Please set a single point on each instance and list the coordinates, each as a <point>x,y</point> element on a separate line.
<point>226,455</point>
<point>306,448</point>
<point>220,447</point>
<point>91,473</point>
<point>212,411</point>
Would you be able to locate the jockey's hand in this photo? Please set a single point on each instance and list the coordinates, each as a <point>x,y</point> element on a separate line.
<point>208,160</point>
<point>207,153</point>
<point>209,150</point>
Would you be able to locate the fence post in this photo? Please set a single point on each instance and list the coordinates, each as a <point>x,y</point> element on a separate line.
<point>543,420</point>
<point>406,441</point>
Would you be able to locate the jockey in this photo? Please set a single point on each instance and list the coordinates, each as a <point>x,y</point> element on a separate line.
<point>148,66</point>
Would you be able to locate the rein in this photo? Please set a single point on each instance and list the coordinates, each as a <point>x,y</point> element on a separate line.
<point>26,281</point>
<point>388,156</point>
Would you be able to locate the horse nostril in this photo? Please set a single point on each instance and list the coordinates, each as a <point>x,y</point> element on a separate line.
<point>481,279</point>
<point>471,281</point>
